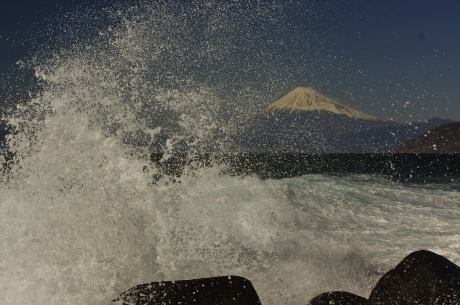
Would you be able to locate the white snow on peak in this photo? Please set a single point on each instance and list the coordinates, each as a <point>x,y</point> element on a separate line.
<point>307,99</point>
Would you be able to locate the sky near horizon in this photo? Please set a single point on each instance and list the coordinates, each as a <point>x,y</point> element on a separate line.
<point>392,59</point>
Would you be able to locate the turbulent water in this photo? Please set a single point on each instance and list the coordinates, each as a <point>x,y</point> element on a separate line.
<point>82,218</point>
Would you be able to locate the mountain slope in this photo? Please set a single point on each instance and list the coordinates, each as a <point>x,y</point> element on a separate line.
<point>305,121</point>
<point>303,99</point>
<point>442,140</point>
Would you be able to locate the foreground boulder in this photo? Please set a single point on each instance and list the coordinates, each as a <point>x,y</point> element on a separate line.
<point>228,290</point>
<point>422,278</point>
<point>338,298</point>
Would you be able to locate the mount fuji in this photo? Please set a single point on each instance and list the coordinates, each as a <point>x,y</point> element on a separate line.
<point>305,121</point>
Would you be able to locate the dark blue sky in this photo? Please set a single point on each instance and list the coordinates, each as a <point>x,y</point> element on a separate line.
<point>18,21</point>
<point>393,59</point>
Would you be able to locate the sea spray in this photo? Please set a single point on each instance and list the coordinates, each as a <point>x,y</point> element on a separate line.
<point>83,219</point>
<point>80,218</point>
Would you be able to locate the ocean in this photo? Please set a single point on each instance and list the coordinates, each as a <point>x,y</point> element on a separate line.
<point>87,211</point>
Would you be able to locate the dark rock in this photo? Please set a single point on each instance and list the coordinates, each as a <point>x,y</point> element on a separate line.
<point>338,298</point>
<point>228,290</point>
<point>444,139</point>
<point>423,278</point>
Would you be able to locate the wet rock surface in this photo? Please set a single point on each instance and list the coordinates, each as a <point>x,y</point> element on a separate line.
<point>423,278</point>
<point>225,290</point>
<point>338,298</point>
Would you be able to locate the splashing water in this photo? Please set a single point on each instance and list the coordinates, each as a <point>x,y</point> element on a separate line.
<point>81,219</point>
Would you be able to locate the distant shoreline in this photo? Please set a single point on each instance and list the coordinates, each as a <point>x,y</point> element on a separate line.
<point>399,167</point>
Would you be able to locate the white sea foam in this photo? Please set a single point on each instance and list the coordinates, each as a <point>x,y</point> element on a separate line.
<point>293,238</point>
<point>82,221</point>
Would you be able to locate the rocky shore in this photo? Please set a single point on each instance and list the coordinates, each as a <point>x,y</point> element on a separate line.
<point>422,278</point>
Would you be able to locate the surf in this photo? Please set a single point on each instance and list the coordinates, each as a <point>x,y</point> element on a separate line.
<point>86,213</point>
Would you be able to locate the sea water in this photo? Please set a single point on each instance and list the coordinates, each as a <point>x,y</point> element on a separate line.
<point>82,217</point>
